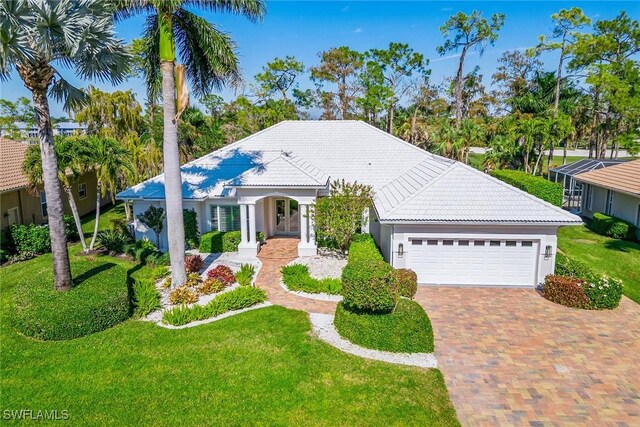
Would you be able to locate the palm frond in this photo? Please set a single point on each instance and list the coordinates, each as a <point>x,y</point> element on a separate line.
<point>123,9</point>
<point>208,53</point>
<point>151,58</point>
<point>71,97</point>
<point>254,10</point>
<point>15,21</point>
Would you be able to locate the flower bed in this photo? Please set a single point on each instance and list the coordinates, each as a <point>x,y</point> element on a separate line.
<point>595,293</point>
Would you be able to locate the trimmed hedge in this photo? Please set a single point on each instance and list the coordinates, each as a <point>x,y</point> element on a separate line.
<point>223,241</point>
<point>99,301</point>
<point>31,240</point>
<point>296,277</point>
<point>566,266</point>
<point>611,226</point>
<point>242,297</point>
<point>406,282</point>
<point>604,293</point>
<point>539,187</point>
<point>567,291</point>
<point>367,280</point>
<point>406,330</point>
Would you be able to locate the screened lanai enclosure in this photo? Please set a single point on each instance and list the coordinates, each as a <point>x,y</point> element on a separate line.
<point>565,175</point>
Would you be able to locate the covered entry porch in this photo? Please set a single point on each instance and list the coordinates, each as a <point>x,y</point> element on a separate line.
<point>277,214</point>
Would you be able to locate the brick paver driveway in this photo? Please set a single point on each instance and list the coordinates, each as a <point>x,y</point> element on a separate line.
<point>510,357</point>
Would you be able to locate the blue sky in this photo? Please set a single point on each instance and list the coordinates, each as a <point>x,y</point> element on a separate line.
<point>305,28</point>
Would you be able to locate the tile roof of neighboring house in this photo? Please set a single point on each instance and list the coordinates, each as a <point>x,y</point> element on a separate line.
<point>624,177</point>
<point>12,154</point>
<point>312,152</point>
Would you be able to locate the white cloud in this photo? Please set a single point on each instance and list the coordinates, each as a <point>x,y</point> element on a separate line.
<point>358,30</point>
<point>345,9</point>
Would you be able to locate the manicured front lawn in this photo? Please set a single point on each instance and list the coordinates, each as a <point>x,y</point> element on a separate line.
<point>261,367</point>
<point>616,258</point>
<point>406,330</point>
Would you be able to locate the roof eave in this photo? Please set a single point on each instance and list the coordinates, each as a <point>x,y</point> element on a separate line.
<point>607,187</point>
<point>476,222</point>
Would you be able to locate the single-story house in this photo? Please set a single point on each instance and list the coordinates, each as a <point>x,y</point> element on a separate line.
<point>613,191</point>
<point>566,174</point>
<point>19,205</point>
<point>450,223</point>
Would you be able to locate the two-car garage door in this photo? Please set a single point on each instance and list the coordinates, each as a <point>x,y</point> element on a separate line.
<point>458,261</point>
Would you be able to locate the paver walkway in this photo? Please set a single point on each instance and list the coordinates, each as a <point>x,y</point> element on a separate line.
<point>509,357</point>
<point>273,255</point>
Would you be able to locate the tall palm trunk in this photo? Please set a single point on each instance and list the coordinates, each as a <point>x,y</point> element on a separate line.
<point>97,223</point>
<point>37,78</point>
<point>76,216</point>
<point>172,174</point>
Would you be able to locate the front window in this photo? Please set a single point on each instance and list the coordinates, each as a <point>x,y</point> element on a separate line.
<point>43,203</point>
<point>609,206</point>
<point>224,217</point>
<point>82,190</point>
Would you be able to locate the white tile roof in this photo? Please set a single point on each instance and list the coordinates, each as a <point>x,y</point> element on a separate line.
<point>410,184</point>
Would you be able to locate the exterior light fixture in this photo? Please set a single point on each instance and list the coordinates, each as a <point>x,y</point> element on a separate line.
<point>400,250</point>
<point>547,252</point>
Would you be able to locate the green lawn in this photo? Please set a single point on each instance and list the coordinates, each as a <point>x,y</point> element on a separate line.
<point>261,367</point>
<point>107,214</point>
<point>406,330</point>
<point>616,258</point>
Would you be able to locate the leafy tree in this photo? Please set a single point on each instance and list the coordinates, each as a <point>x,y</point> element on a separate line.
<point>514,75</point>
<point>36,37</point>
<point>339,216</point>
<point>395,65</point>
<point>209,63</point>
<point>374,93</point>
<point>278,76</point>
<point>71,153</point>
<point>213,103</point>
<point>116,114</point>
<point>465,32</point>
<point>338,66</point>
<point>19,111</point>
<point>154,219</point>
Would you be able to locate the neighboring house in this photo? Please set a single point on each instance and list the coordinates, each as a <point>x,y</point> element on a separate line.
<point>613,191</point>
<point>23,129</point>
<point>18,205</point>
<point>447,221</point>
<point>566,174</point>
<point>69,128</point>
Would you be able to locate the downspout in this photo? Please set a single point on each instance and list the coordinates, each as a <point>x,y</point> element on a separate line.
<point>393,244</point>
<point>20,206</point>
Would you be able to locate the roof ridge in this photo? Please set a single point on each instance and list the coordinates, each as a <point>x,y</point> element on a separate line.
<point>429,184</point>
<point>517,190</point>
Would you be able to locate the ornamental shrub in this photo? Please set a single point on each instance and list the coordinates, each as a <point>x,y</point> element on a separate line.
<point>222,273</point>
<point>223,241</point>
<point>296,278</point>
<point>406,282</point>
<point>193,280</point>
<point>604,292</point>
<point>611,226</point>
<point>99,300</point>
<point>146,297</point>
<point>539,187</point>
<point>191,233</point>
<point>193,263</point>
<point>242,297</point>
<point>70,229</point>
<point>114,241</point>
<point>183,295</point>
<point>245,274</point>
<point>210,286</point>
<point>31,240</point>
<point>566,266</point>
<point>567,291</point>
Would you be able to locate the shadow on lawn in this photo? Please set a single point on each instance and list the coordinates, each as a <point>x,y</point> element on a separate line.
<point>92,272</point>
<point>622,246</point>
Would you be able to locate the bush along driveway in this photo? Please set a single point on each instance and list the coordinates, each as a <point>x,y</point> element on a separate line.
<point>510,357</point>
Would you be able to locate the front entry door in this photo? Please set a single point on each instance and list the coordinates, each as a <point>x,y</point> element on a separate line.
<point>287,217</point>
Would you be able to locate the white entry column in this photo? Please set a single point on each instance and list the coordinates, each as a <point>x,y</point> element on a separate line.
<point>243,225</point>
<point>248,246</point>
<point>252,224</point>
<point>307,245</point>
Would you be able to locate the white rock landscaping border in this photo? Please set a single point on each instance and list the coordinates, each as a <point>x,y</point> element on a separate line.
<point>323,327</point>
<point>319,296</point>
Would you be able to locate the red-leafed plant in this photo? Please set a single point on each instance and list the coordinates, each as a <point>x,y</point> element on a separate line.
<point>567,291</point>
<point>222,273</point>
<point>193,263</point>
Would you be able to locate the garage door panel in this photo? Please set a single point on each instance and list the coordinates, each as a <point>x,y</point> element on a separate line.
<point>481,262</point>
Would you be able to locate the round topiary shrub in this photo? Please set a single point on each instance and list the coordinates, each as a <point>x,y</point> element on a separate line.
<point>99,301</point>
<point>369,287</point>
<point>567,291</point>
<point>406,282</point>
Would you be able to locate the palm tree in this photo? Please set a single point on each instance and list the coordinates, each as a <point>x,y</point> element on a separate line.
<point>210,62</point>
<point>35,35</point>
<point>110,163</point>
<point>70,153</point>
